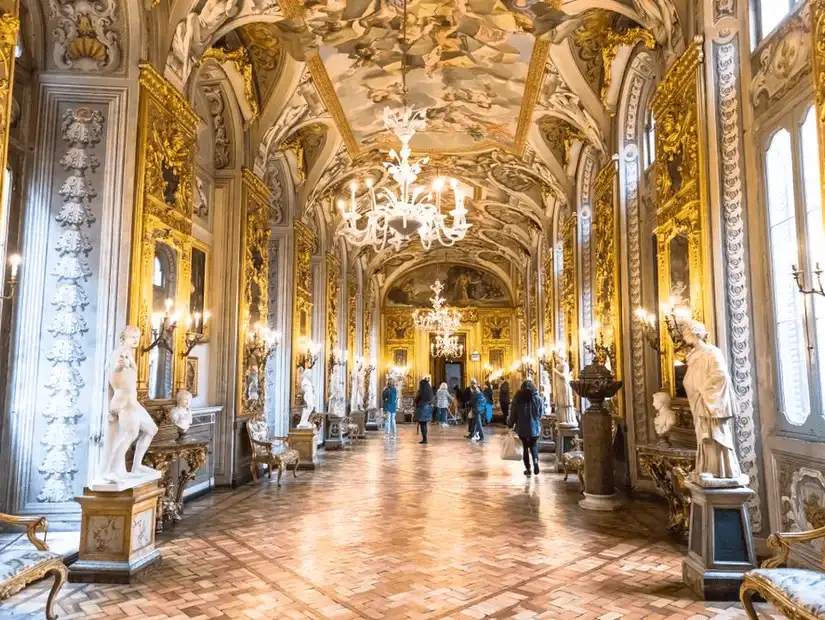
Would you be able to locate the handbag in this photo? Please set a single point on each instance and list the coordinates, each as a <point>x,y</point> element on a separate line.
<point>511,449</point>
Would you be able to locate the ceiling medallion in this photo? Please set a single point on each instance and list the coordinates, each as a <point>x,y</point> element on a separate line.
<point>395,217</point>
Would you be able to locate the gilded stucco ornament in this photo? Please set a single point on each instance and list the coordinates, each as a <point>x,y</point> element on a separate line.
<point>84,35</point>
<point>662,19</point>
<point>785,59</point>
<point>239,59</point>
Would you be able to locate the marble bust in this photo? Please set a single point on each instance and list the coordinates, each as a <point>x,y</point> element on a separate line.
<point>665,416</point>
<point>308,396</point>
<point>181,414</point>
<point>128,421</point>
<point>563,393</point>
<point>713,405</point>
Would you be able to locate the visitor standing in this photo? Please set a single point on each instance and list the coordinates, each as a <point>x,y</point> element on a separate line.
<point>488,394</point>
<point>525,416</point>
<point>442,401</point>
<point>504,399</point>
<point>424,406</point>
<point>479,411</point>
<point>389,400</point>
<point>467,403</point>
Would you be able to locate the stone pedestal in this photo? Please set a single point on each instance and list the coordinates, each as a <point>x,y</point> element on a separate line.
<point>599,486</point>
<point>360,418</point>
<point>564,442</point>
<point>720,544</point>
<point>334,439</point>
<point>305,441</point>
<point>372,419</point>
<point>117,533</point>
<point>547,440</point>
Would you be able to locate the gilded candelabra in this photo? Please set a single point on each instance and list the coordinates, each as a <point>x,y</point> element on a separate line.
<point>14,265</point>
<point>164,325</point>
<point>308,355</point>
<point>526,366</point>
<point>797,276</point>
<point>197,331</point>
<point>674,315</point>
<point>260,343</point>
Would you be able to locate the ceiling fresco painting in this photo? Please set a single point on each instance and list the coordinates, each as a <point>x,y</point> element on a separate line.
<point>463,286</point>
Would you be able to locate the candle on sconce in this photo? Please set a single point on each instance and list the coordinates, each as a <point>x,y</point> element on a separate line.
<point>15,261</point>
<point>168,304</point>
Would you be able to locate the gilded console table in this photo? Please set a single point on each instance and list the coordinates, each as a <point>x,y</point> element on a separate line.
<point>161,456</point>
<point>669,468</point>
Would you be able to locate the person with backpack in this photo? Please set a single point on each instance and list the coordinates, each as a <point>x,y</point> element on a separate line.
<point>525,417</point>
<point>389,402</point>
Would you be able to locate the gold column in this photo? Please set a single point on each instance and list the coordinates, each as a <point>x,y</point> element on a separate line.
<point>254,283</point>
<point>549,311</point>
<point>607,302</point>
<point>352,293</point>
<point>568,294</point>
<point>302,308</point>
<point>9,27</point>
<point>369,300</point>
<point>167,134</point>
<point>333,291</point>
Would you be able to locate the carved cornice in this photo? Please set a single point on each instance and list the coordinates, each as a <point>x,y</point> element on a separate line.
<point>532,88</point>
<point>328,95</point>
<point>166,93</point>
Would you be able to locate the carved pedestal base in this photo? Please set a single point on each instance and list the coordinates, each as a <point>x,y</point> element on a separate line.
<point>117,534</point>
<point>372,419</point>
<point>564,443</point>
<point>360,418</point>
<point>335,429</point>
<point>305,441</point>
<point>547,440</point>
<point>720,545</point>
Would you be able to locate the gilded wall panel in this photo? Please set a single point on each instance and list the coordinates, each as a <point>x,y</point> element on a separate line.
<point>254,286</point>
<point>568,297</point>
<point>302,307</point>
<point>352,314</point>
<point>818,29</point>
<point>549,312</point>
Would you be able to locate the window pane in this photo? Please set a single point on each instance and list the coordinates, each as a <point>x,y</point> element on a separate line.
<point>771,13</point>
<point>815,229</point>
<point>788,303</point>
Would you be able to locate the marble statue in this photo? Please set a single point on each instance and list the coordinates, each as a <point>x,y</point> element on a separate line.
<point>308,397</point>
<point>128,421</point>
<point>563,393</point>
<point>713,405</point>
<point>357,386</point>
<point>665,416</point>
<point>337,397</point>
<point>252,384</point>
<point>181,414</point>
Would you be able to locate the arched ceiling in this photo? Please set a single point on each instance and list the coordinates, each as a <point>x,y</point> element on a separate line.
<point>513,91</point>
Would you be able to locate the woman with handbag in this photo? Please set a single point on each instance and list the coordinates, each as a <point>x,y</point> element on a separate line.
<point>424,406</point>
<point>525,416</point>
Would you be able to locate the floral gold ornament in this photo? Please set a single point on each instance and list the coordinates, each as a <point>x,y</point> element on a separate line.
<point>303,301</point>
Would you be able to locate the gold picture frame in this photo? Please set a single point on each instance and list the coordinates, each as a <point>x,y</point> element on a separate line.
<point>191,376</point>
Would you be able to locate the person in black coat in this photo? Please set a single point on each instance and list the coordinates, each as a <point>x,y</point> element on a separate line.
<point>424,406</point>
<point>466,404</point>
<point>525,417</point>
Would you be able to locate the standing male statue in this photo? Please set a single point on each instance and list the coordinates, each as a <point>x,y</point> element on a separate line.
<point>563,393</point>
<point>308,396</point>
<point>128,421</point>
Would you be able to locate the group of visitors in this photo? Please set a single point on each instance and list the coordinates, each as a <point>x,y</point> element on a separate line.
<point>524,417</point>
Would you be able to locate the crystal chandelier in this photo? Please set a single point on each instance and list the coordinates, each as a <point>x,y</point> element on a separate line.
<point>440,318</point>
<point>394,217</point>
<point>446,345</point>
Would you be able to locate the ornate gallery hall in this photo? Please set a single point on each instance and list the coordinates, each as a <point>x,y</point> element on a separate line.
<point>412,309</point>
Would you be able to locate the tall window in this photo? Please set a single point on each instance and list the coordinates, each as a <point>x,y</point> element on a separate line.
<point>649,155</point>
<point>769,14</point>
<point>797,240</point>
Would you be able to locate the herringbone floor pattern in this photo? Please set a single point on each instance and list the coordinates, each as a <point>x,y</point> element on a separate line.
<point>400,530</point>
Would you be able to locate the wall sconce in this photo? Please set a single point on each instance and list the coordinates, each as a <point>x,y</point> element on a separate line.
<point>200,333</point>
<point>163,329</point>
<point>674,315</point>
<point>335,359</point>
<point>15,260</point>
<point>797,276</point>
<point>600,352</point>
<point>526,366</point>
<point>309,355</point>
<point>545,360</point>
<point>261,342</point>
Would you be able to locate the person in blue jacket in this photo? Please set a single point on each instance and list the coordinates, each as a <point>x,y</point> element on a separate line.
<point>424,406</point>
<point>389,402</point>
<point>479,409</point>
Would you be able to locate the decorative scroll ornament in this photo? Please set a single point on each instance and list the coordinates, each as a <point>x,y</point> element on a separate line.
<point>803,508</point>
<point>83,35</point>
<point>785,60</point>
<point>82,128</point>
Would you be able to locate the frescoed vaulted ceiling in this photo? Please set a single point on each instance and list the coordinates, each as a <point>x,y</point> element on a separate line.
<point>514,90</point>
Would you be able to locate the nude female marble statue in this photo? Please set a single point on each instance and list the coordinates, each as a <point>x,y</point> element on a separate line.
<point>713,405</point>
<point>308,396</point>
<point>563,393</point>
<point>128,420</point>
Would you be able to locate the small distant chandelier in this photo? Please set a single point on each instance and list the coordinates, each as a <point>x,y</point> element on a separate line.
<point>395,217</point>
<point>440,318</point>
<point>446,345</point>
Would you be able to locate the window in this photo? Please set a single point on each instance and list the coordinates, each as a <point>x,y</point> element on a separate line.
<point>769,14</point>
<point>649,154</point>
<point>797,240</point>
<point>157,274</point>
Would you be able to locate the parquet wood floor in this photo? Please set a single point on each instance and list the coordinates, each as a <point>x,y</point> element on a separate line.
<point>400,530</point>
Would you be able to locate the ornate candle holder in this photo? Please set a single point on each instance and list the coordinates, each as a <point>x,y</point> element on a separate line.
<point>197,331</point>
<point>164,325</point>
<point>797,276</point>
<point>526,366</point>
<point>673,314</point>
<point>11,284</point>
<point>260,343</point>
<point>308,356</point>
